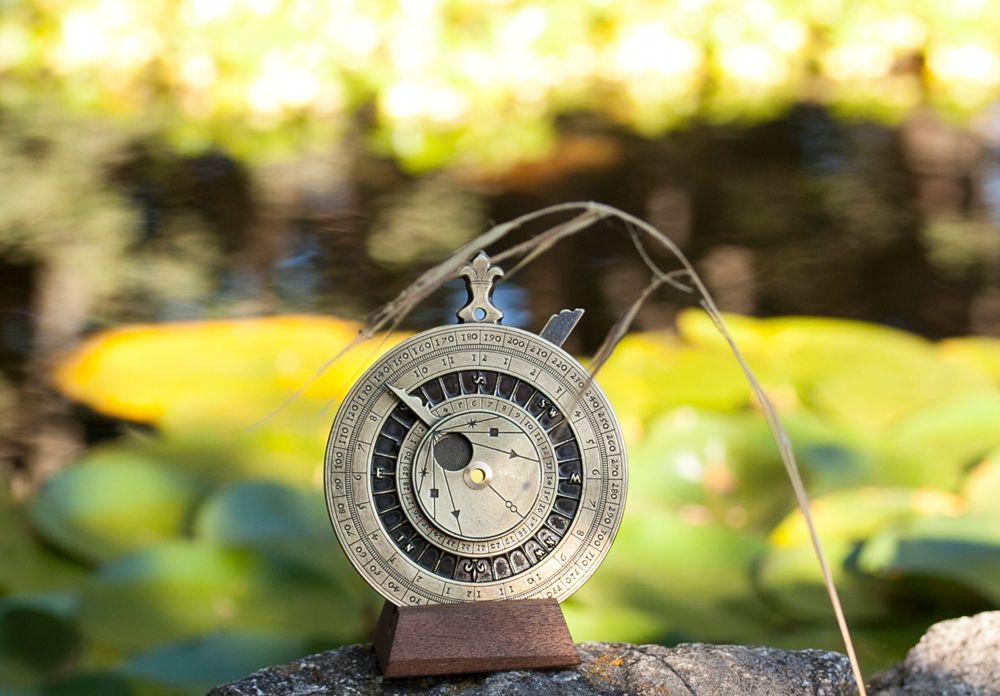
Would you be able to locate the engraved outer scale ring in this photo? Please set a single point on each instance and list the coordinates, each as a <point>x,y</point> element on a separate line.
<point>475,462</point>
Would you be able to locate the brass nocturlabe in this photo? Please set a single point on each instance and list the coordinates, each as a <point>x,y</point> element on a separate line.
<point>476,461</point>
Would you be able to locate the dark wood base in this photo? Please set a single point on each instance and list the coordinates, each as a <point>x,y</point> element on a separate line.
<point>472,637</point>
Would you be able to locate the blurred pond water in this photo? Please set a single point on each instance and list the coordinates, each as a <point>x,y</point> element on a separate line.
<point>171,547</point>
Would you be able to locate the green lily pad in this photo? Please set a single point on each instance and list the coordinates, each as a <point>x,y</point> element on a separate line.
<point>725,464</point>
<point>110,503</point>
<point>35,640</point>
<point>196,665</point>
<point>263,512</point>
<point>290,451</point>
<point>182,590</point>
<point>730,465</point>
<point>611,622</point>
<point>283,520</point>
<point>28,565</point>
<point>954,433</point>
<point>811,348</point>
<point>689,581</point>
<point>806,347</point>
<point>685,456</point>
<point>788,574</point>
<point>88,684</point>
<point>964,549</point>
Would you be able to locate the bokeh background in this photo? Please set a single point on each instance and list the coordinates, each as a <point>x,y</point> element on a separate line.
<point>201,199</point>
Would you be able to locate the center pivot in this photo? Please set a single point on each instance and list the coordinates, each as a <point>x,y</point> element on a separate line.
<point>478,475</point>
<point>453,452</point>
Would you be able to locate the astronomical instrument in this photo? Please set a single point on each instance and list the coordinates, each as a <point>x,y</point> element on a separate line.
<point>476,462</point>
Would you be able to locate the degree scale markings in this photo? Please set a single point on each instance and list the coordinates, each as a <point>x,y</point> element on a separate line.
<point>469,356</point>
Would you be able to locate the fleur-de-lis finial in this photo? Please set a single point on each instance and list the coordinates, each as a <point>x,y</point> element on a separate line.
<point>480,278</point>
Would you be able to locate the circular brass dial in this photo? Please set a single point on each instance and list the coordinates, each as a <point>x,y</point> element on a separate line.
<point>475,462</point>
<point>483,465</point>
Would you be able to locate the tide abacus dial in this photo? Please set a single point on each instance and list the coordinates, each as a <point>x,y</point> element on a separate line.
<point>475,462</point>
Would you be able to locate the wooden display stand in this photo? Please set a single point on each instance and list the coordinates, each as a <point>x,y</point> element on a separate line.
<point>472,637</point>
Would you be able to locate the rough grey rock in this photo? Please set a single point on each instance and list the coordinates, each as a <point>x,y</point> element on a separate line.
<point>960,657</point>
<point>606,668</point>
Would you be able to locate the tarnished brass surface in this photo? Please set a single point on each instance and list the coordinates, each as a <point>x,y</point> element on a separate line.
<point>475,462</point>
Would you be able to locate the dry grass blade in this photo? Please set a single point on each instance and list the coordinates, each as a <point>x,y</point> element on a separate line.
<point>671,278</point>
<point>770,414</point>
<point>619,329</point>
<point>539,244</point>
<point>685,279</point>
<point>389,315</point>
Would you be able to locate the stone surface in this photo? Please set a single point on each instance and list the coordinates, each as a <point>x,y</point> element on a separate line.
<point>960,657</point>
<point>606,669</point>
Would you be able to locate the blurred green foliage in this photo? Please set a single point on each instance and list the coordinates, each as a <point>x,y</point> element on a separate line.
<point>480,84</point>
<point>162,564</point>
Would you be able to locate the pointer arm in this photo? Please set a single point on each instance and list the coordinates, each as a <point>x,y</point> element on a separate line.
<point>416,405</point>
<point>559,327</point>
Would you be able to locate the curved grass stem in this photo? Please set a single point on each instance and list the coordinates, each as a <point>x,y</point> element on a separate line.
<point>685,279</point>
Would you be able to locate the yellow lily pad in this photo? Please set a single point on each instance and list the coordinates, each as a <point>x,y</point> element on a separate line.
<point>650,373</point>
<point>981,487</point>
<point>812,347</point>
<point>862,375</point>
<point>231,371</point>
<point>979,352</point>
<point>875,393</point>
<point>696,327</point>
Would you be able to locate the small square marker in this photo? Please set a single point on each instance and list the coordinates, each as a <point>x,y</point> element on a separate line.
<point>434,492</point>
<point>494,432</point>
